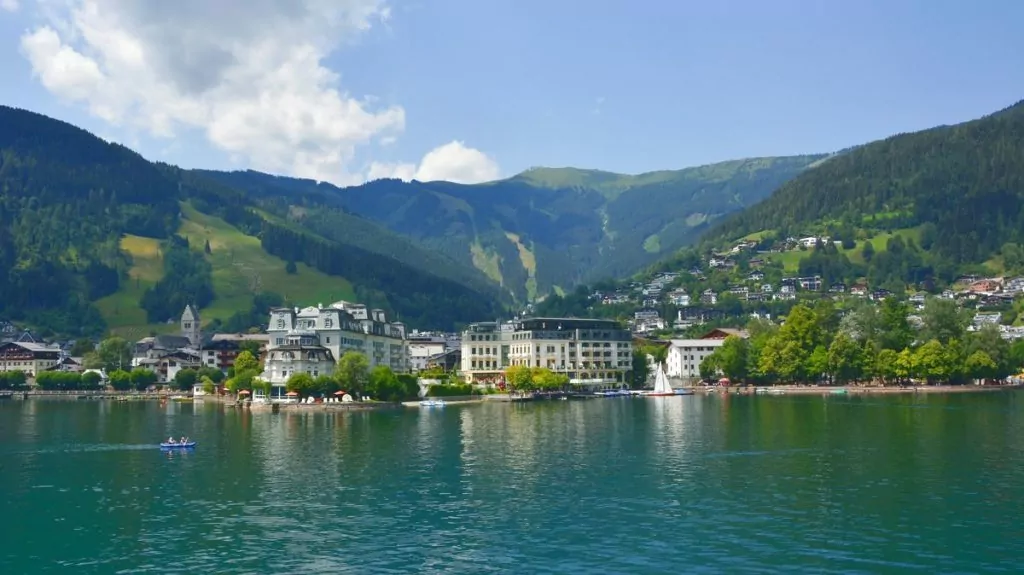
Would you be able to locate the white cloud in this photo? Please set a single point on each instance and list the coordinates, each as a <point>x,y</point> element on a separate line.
<point>454,162</point>
<point>248,73</point>
<point>9,5</point>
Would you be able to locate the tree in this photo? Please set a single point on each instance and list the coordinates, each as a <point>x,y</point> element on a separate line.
<point>868,251</point>
<point>208,386</point>
<point>885,365</point>
<point>817,363</point>
<point>91,380</point>
<point>300,383</point>
<point>185,379</point>
<point>942,320</point>
<point>846,359</point>
<point>112,354</point>
<point>353,372</point>
<point>732,358</point>
<point>989,340</point>
<point>546,380</point>
<point>979,365</point>
<point>325,384</point>
<point>931,362</point>
<point>640,369</point>
<point>384,385</point>
<point>905,365</point>
<point>520,377</point>
<point>290,269</point>
<point>82,347</point>
<point>245,361</point>
<point>206,247</point>
<point>895,332</point>
<point>12,379</point>
<point>141,378</point>
<point>253,347</point>
<point>213,374</point>
<point>120,380</point>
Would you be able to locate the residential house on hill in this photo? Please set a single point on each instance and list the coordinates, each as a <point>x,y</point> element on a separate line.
<point>29,357</point>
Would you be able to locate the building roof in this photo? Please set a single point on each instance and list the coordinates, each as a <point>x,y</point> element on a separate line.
<point>724,332</point>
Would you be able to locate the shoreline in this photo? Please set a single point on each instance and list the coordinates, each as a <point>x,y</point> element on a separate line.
<point>855,390</point>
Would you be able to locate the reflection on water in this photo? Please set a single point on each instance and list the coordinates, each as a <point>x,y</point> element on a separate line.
<point>740,484</point>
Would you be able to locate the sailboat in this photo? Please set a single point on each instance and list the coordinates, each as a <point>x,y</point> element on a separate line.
<point>661,385</point>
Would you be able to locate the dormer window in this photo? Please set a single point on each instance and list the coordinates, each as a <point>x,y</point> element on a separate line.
<point>328,323</point>
<point>280,324</point>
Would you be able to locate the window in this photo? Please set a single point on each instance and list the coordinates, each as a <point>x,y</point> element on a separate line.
<point>328,323</point>
<point>328,339</point>
<point>280,324</point>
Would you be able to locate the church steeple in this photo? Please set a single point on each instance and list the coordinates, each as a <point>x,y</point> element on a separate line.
<point>190,325</point>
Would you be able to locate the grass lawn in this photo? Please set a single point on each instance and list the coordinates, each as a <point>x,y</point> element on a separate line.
<point>791,260</point>
<point>240,266</point>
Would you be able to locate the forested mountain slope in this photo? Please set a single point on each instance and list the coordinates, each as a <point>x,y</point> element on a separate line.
<point>547,228</point>
<point>83,221</point>
<point>965,180</point>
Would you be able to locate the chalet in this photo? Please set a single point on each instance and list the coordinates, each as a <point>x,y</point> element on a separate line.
<point>810,283</point>
<point>948,294</point>
<point>724,332</point>
<point>859,290</point>
<point>1014,286</point>
<point>646,314</point>
<point>785,295</point>
<point>650,302</point>
<point>222,349</point>
<point>447,361</point>
<point>966,280</point>
<point>756,297</point>
<point>986,286</point>
<point>838,287</point>
<point>755,276</point>
<point>918,298</point>
<point>880,294</point>
<point>708,297</point>
<point>787,289</point>
<point>68,363</point>
<point>756,263</point>
<point>982,319</point>
<point>679,298</point>
<point>740,291</point>
<point>31,358</point>
<point>767,288</point>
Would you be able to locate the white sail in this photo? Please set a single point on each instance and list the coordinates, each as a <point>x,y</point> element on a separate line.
<point>661,384</point>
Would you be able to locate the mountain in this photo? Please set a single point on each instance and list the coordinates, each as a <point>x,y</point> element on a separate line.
<point>545,229</point>
<point>938,202</point>
<point>93,236</point>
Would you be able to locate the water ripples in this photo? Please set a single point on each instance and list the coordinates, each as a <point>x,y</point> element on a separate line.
<point>739,485</point>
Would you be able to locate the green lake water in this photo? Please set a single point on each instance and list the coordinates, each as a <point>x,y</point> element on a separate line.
<point>781,484</point>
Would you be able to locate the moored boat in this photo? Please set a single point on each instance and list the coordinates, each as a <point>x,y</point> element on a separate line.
<point>432,403</point>
<point>661,385</point>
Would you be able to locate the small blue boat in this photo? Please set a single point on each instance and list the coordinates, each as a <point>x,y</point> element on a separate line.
<point>188,445</point>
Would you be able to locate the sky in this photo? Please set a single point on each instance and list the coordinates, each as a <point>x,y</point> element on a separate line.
<point>474,90</point>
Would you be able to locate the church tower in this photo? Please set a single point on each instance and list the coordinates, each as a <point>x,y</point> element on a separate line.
<point>190,325</point>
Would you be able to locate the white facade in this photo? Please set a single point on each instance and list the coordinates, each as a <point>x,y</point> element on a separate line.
<point>590,352</point>
<point>299,353</point>
<point>685,355</point>
<point>342,327</point>
<point>423,347</point>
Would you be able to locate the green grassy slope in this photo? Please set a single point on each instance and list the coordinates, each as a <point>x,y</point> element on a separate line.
<point>240,266</point>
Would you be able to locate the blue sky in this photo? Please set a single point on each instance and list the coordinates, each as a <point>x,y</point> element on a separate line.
<point>621,86</point>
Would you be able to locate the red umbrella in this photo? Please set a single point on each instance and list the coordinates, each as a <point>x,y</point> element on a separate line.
<point>243,392</point>
<point>292,393</point>
<point>339,393</point>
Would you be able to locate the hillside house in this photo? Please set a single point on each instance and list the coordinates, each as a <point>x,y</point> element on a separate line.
<point>859,290</point>
<point>810,283</point>
<point>679,298</point>
<point>838,287</point>
<point>708,297</point>
<point>755,276</point>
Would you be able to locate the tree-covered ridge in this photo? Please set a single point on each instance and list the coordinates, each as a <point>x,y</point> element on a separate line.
<point>966,180</point>
<point>538,230</point>
<point>68,199</point>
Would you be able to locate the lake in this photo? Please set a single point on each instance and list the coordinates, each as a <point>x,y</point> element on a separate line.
<point>769,484</point>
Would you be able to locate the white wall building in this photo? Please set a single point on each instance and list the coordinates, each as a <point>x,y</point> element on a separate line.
<point>423,346</point>
<point>685,355</point>
<point>591,352</point>
<point>299,353</point>
<point>345,326</point>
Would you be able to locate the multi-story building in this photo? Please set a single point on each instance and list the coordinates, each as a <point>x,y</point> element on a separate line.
<point>591,352</point>
<point>343,327</point>
<point>298,352</point>
<point>31,358</point>
<point>423,346</point>
<point>685,355</point>
<point>222,349</point>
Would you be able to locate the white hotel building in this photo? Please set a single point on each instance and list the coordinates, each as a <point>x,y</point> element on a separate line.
<point>591,352</point>
<point>304,340</point>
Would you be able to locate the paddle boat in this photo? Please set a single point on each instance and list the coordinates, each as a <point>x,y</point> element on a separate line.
<point>178,445</point>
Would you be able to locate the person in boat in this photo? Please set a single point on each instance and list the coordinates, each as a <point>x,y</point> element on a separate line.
<point>182,441</point>
<point>170,440</point>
